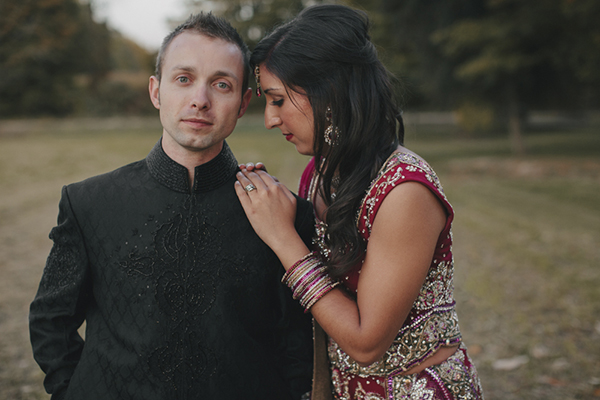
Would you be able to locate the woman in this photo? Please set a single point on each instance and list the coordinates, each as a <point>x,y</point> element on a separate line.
<point>379,281</point>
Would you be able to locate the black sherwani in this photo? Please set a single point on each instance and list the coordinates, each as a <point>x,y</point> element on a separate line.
<point>181,298</point>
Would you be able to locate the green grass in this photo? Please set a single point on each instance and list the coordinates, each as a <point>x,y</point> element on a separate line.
<point>527,241</point>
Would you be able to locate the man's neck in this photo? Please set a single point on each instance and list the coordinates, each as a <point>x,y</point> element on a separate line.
<point>190,159</point>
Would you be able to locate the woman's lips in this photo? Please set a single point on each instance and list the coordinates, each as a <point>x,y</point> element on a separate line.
<point>288,136</point>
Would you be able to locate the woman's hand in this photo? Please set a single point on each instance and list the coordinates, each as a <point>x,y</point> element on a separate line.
<point>269,206</point>
<point>253,167</point>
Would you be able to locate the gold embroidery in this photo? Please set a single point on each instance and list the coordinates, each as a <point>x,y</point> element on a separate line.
<point>379,185</point>
<point>362,394</point>
<point>432,323</point>
<point>460,380</point>
<point>411,388</point>
<point>413,344</point>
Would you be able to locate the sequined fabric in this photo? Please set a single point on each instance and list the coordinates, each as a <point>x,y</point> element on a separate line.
<point>432,321</point>
<point>455,378</point>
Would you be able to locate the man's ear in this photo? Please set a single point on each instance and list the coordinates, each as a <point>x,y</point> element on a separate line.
<point>153,87</point>
<point>245,101</point>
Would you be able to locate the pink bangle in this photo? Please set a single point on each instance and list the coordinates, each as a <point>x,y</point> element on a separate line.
<point>309,280</point>
<point>296,264</point>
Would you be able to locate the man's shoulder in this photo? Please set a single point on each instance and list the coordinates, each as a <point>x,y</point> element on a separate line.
<point>302,205</point>
<point>305,219</point>
<point>115,177</point>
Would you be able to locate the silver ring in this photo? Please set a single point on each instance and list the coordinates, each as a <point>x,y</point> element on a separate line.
<point>249,188</point>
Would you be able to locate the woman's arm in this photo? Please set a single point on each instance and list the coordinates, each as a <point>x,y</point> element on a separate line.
<point>400,249</point>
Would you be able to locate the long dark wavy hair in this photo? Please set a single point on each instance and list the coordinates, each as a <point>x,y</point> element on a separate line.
<point>326,53</point>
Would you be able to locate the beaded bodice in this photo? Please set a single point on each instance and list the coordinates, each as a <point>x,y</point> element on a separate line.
<point>432,321</point>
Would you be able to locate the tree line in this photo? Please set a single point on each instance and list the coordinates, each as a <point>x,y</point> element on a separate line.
<point>491,61</point>
<point>56,60</point>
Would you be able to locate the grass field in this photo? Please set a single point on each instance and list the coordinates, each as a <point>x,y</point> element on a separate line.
<point>527,242</point>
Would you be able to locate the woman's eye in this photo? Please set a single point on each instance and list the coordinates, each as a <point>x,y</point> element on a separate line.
<point>183,79</point>
<point>277,103</point>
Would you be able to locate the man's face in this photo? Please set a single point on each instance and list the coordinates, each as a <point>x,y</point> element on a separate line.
<point>199,95</point>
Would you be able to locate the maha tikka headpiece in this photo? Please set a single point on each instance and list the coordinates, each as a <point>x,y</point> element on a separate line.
<point>257,77</point>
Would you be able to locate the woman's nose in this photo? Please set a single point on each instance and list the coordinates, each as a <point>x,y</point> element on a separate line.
<point>272,119</point>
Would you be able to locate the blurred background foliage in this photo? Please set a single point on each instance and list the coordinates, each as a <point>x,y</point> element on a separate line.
<point>56,60</point>
<point>491,62</point>
<point>526,228</point>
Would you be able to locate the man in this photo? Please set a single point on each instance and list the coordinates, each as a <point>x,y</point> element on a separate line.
<point>181,299</point>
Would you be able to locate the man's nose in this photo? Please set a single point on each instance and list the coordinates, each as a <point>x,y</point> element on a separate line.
<point>201,98</point>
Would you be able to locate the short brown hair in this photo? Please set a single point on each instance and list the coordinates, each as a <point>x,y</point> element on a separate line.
<point>212,26</point>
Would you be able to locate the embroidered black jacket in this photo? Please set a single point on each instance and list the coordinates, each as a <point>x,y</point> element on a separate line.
<point>181,299</point>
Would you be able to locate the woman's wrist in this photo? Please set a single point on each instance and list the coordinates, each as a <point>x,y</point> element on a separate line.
<point>309,280</point>
<point>290,249</point>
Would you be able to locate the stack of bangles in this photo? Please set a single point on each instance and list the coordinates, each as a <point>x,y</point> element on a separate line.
<point>308,280</point>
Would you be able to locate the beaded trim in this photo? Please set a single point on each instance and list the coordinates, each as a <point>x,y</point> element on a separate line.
<point>433,321</point>
<point>456,378</point>
<point>378,186</point>
<point>413,344</point>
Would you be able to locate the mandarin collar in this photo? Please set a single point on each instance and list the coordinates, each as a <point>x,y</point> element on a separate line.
<point>207,176</point>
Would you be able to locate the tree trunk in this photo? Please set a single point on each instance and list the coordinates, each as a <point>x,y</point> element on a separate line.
<point>515,122</point>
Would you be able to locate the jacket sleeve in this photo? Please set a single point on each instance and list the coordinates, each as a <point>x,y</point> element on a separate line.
<point>58,308</point>
<point>299,341</point>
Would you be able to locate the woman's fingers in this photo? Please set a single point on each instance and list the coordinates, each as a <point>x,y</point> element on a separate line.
<point>263,185</point>
<point>259,178</point>
<point>273,182</point>
<point>250,181</point>
<point>269,206</point>
<point>260,185</point>
<point>252,167</point>
<point>242,195</point>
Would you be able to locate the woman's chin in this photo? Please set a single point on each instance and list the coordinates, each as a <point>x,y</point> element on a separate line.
<point>303,151</point>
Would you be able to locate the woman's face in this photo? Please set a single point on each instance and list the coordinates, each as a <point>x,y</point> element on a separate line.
<point>289,111</point>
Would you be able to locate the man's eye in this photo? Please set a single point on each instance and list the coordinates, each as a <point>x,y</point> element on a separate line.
<point>222,85</point>
<point>183,79</point>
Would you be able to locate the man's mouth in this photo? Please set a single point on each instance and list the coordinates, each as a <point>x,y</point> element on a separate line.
<point>197,122</point>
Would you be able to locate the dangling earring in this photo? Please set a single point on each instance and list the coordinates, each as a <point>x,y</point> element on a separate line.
<point>332,133</point>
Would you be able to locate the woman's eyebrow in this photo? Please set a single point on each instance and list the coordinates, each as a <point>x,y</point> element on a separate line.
<point>271,89</point>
